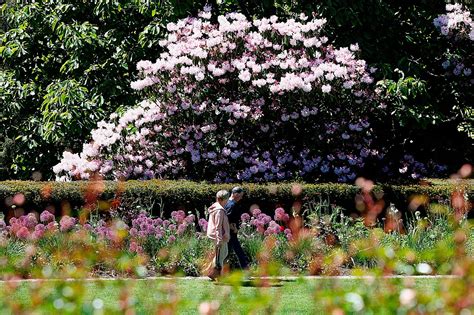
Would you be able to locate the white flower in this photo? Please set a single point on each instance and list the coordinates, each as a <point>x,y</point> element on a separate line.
<point>354,47</point>
<point>326,88</point>
<point>199,76</point>
<point>356,301</point>
<point>244,75</point>
<point>408,297</point>
<point>424,268</point>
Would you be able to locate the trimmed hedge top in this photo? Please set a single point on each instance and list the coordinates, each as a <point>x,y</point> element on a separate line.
<point>190,196</point>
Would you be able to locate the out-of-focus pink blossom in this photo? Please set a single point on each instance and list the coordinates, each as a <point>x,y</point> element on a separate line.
<point>66,223</point>
<point>23,233</point>
<point>46,217</point>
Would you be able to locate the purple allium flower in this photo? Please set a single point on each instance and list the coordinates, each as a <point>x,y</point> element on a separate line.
<point>39,231</point>
<point>52,226</point>
<point>66,223</point>
<point>281,215</point>
<point>203,224</point>
<point>133,232</point>
<point>46,217</point>
<point>23,233</point>
<point>182,228</point>
<point>31,221</point>
<point>245,217</point>
<point>135,247</point>
<point>178,216</point>
<point>190,219</point>
<point>264,218</point>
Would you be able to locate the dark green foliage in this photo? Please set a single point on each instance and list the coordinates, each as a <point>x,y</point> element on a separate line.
<point>65,65</point>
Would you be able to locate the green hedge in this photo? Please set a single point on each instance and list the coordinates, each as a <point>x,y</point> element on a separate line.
<point>192,195</point>
<point>171,195</point>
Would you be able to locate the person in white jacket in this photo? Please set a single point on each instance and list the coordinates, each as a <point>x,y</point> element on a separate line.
<point>218,230</point>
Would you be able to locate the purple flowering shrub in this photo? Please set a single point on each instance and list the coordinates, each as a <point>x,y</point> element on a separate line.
<point>457,25</point>
<point>259,100</point>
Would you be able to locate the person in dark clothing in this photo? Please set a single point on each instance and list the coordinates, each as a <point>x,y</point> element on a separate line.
<point>234,211</point>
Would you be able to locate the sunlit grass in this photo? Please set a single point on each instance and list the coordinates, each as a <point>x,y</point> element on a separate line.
<point>292,297</point>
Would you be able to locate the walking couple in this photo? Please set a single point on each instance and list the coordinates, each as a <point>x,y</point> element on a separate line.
<point>224,217</point>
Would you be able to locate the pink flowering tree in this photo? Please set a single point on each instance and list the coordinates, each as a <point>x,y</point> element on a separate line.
<point>242,100</point>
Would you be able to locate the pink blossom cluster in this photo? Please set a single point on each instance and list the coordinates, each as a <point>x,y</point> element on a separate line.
<point>108,231</point>
<point>281,215</point>
<point>203,224</point>
<point>458,26</point>
<point>67,223</point>
<point>27,227</point>
<point>260,100</point>
<point>160,230</point>
<point>264,225</point>
<point>144,228</point>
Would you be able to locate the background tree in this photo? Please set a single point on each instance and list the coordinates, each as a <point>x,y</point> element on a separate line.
<point>67,64</point>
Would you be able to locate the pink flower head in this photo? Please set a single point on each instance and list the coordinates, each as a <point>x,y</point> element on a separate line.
<point>66,223</point>
<point>203,224</point>
<point>281,215</point>
<point>256,212</point>
<point>23,233</point>
<point>31,221</point>
<point>178,216</point>
<point>182,228</point>
<point>52,226</point>
<point>158,235</point>
<point>133,232</point>
<point>135,247</point>
<point>39,231</point>
<point>264,218</point>
<point>171,239</point>
<point>190,219</point>
<point>245,217</point>
<point>46,217</point>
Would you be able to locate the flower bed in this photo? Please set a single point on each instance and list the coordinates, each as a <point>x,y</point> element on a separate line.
<point>178,243</point>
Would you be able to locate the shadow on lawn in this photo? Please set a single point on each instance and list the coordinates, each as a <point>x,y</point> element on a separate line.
<point>255,283</point>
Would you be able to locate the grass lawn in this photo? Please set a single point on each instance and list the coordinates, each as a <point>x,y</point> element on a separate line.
<point>292,297</point>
